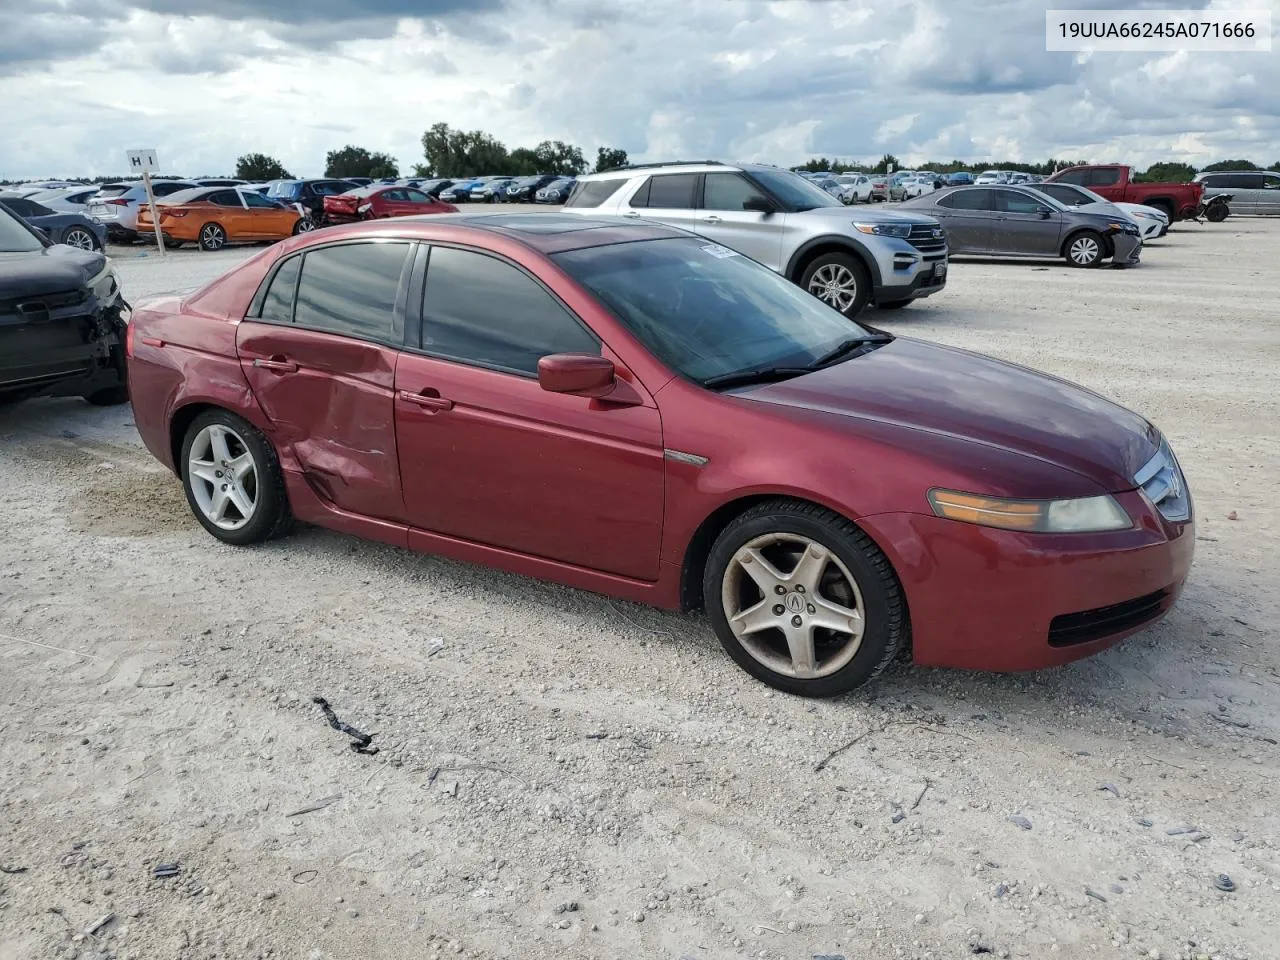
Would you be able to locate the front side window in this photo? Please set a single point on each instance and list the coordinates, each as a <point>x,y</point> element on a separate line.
<point>1270,182</point>
<point>480,310</point>
<point>1064,194</point>
<point>351,289</point>
<point>416,196</point>
<point>793,191</point>
<point>257,200</point>
<point>729,191</point>
<point>1010,201</point>
<point>1104,176</point>
<point>706,311</point>
<point>967,200</point>
<point>14,235</point>
<point>225,198</point>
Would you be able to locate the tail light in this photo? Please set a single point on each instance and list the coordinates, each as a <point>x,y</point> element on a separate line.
<point>172,213</point>
<point>128,339</point>
<point>117,202</point>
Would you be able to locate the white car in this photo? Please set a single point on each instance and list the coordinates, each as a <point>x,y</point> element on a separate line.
<point>854,188</point>
<point>988,176</point>
<point>1152,222</point>
<point>918,186</point>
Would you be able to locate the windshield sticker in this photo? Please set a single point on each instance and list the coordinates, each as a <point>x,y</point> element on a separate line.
<point>719,252</point>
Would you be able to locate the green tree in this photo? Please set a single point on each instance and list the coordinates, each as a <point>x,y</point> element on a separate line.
<point>1231,165</point>
<point>522,162</point>
<point>815,165</point>
<point>885,162</point>
<point>556,156</point>
<point>459,153</point>
<point>352,161</point>
<point>1167,171</point>
<point>610,158</point>
<point>258,166</point>
<point>1275,166</point>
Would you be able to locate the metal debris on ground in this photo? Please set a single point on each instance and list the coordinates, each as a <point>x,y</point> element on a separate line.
<point>1090,892</point>
<point>1144,822</point>
<point>923,790</point>
<point>1179,831</point>
<point>1224,883</point>
<point>434,646</point>
<point>318,805</point>
<point>102,922</point>
<point>360,741</point>
<point>1110,788</point>
<point>7,868</point>
<point>305,876</point>
<point>162,870</point>
<point>1018,820</point>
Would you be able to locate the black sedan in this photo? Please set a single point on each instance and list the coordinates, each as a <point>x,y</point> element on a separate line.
<point>61,329</point>
<point>73,229</point>
<point>1012,221</point>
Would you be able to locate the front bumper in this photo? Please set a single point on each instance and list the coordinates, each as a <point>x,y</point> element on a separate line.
<point>907,272</point>
<point>987,599</point>
<point>1127,248</point>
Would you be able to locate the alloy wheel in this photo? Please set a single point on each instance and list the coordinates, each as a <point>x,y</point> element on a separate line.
<point>212,237</point>
<point>793,605</point>
<point>80,239</point>
<point>304,225</point>
<point>1084,250</point>
<point>223,477</point>
<point>834,284</point>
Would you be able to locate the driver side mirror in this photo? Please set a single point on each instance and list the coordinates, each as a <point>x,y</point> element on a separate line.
<point>759,205</point>
<point>1045,213</point>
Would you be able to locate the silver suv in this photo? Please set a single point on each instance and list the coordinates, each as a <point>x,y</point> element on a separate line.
<point>844,257</point>
<point>115,205</point>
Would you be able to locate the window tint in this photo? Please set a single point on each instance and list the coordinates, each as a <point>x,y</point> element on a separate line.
<point>257,200</point>
<point>728,191</point>
<point>331,188</point>
<point>478,309</point>
<point>417,196</point>
<point>224,198</point>
<point>592,193</point>
<point>967,200</point>
<point>671,192</point>
<point>351,289</point>
<point>1271,182</point>
<point>1078,177</point>
<point>277,305</point>
<point>1010,201</point>
<point>641,197</point>
<point>23,208</point>
<point>396,194</point>
<point>1064,194</point>
<point>1104,176</point>
<point>1245,181</point>
<point>164,189</point>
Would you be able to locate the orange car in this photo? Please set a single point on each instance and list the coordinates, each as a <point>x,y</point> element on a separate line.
<point>215,216</point>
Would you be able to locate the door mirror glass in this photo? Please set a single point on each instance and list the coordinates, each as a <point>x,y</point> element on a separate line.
<point>582,374</point>
<point>759,204</point>
<point>1045,212</point>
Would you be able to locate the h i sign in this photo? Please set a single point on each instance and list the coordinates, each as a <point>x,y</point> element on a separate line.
<point>142,161</point>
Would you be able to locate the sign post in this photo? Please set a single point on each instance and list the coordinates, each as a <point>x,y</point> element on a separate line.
<point>144,161</point>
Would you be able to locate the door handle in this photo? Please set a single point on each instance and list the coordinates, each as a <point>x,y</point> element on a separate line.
<point>712,219</point>
<point>430,399</point>
<point>632,213</point>
<point>276,365</point>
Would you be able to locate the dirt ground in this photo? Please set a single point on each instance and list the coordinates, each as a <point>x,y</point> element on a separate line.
<point>568,776</point>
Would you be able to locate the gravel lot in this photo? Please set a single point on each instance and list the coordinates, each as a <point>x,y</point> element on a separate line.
<point>572,776</point>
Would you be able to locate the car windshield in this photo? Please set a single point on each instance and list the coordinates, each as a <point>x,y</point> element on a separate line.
<point>705,310</point>
<point>287,191</point>
<point>794,190</point>
<point>16,238</point>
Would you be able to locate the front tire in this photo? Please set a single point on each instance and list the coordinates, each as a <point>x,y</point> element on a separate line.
<point>232,478</point>
<point>212,237</point>
<point>803,600</point>
<point>303,225</point>
<point>1085,249</point>
<point>1217,213</point>
<point>840,280</point>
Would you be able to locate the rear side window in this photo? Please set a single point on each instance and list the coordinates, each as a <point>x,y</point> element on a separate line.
<point>1078,177</point>
<point>481,310</point>
<point>1245,181</point>
<point>967,200</point>
<point>592,193</point>
<point>224,198</point>
<point>351,289</point>
<point>1104,176</point>
<point>23,208</point>
<point>671,192</point>
<point>277,305</point>
<point>112,190</point>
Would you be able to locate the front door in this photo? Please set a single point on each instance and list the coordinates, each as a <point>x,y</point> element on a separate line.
<point>722,217</point>
<point>321,365</point>
<point>270,220</point>
<point>488,456</point>
<point>1025,226</point>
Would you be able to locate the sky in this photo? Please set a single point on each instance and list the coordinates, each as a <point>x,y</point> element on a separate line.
<point>83,81</point>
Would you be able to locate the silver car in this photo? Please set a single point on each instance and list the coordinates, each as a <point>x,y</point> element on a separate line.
<point>846,258</point>
<point>1014,221</point>
<point>1255,192</point>
<point>66,199</point>
<point>115,205</point>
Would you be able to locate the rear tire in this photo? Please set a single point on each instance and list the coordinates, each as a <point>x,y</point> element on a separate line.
<point>1164,207</point>
<point>840,280</point>
<point>1085,249</point>
<point>844,571</point>
<point>263,485</point>
<point>1217,213</point>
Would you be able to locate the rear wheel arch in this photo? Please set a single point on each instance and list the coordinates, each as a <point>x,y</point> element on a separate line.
<point>179,423</point>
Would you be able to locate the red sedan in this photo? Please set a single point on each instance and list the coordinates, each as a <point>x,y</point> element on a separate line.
<point>378,201</point>
<point>630,409</point>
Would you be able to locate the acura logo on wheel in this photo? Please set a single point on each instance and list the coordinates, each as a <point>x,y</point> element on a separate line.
<point>795,602</point>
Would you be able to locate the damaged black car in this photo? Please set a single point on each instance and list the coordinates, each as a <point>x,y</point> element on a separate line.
<point>62,323</point>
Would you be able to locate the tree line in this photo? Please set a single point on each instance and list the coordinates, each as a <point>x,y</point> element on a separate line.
<point>1163,172</point>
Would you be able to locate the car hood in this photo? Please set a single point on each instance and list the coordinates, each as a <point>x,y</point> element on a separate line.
<point>864,215</point>
<point>950,392</point>
<point>51,270</point>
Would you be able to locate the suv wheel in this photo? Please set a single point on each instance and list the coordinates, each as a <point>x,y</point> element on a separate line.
<point>803,600</point>
<point>839,280</point>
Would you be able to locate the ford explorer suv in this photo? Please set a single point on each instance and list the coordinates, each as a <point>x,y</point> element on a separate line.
<point>844,257</point>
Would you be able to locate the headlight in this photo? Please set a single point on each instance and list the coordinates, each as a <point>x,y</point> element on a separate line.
<point>1083,515</point>
<point>104,284</point>
<point>1144,216</point>
<point>899,230</point>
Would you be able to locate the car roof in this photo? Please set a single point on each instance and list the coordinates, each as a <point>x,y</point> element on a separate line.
<point>683,166</point>
<point>546,233</point>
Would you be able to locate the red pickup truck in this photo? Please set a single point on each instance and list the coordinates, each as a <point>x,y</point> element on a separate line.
<point>1115,183</point>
